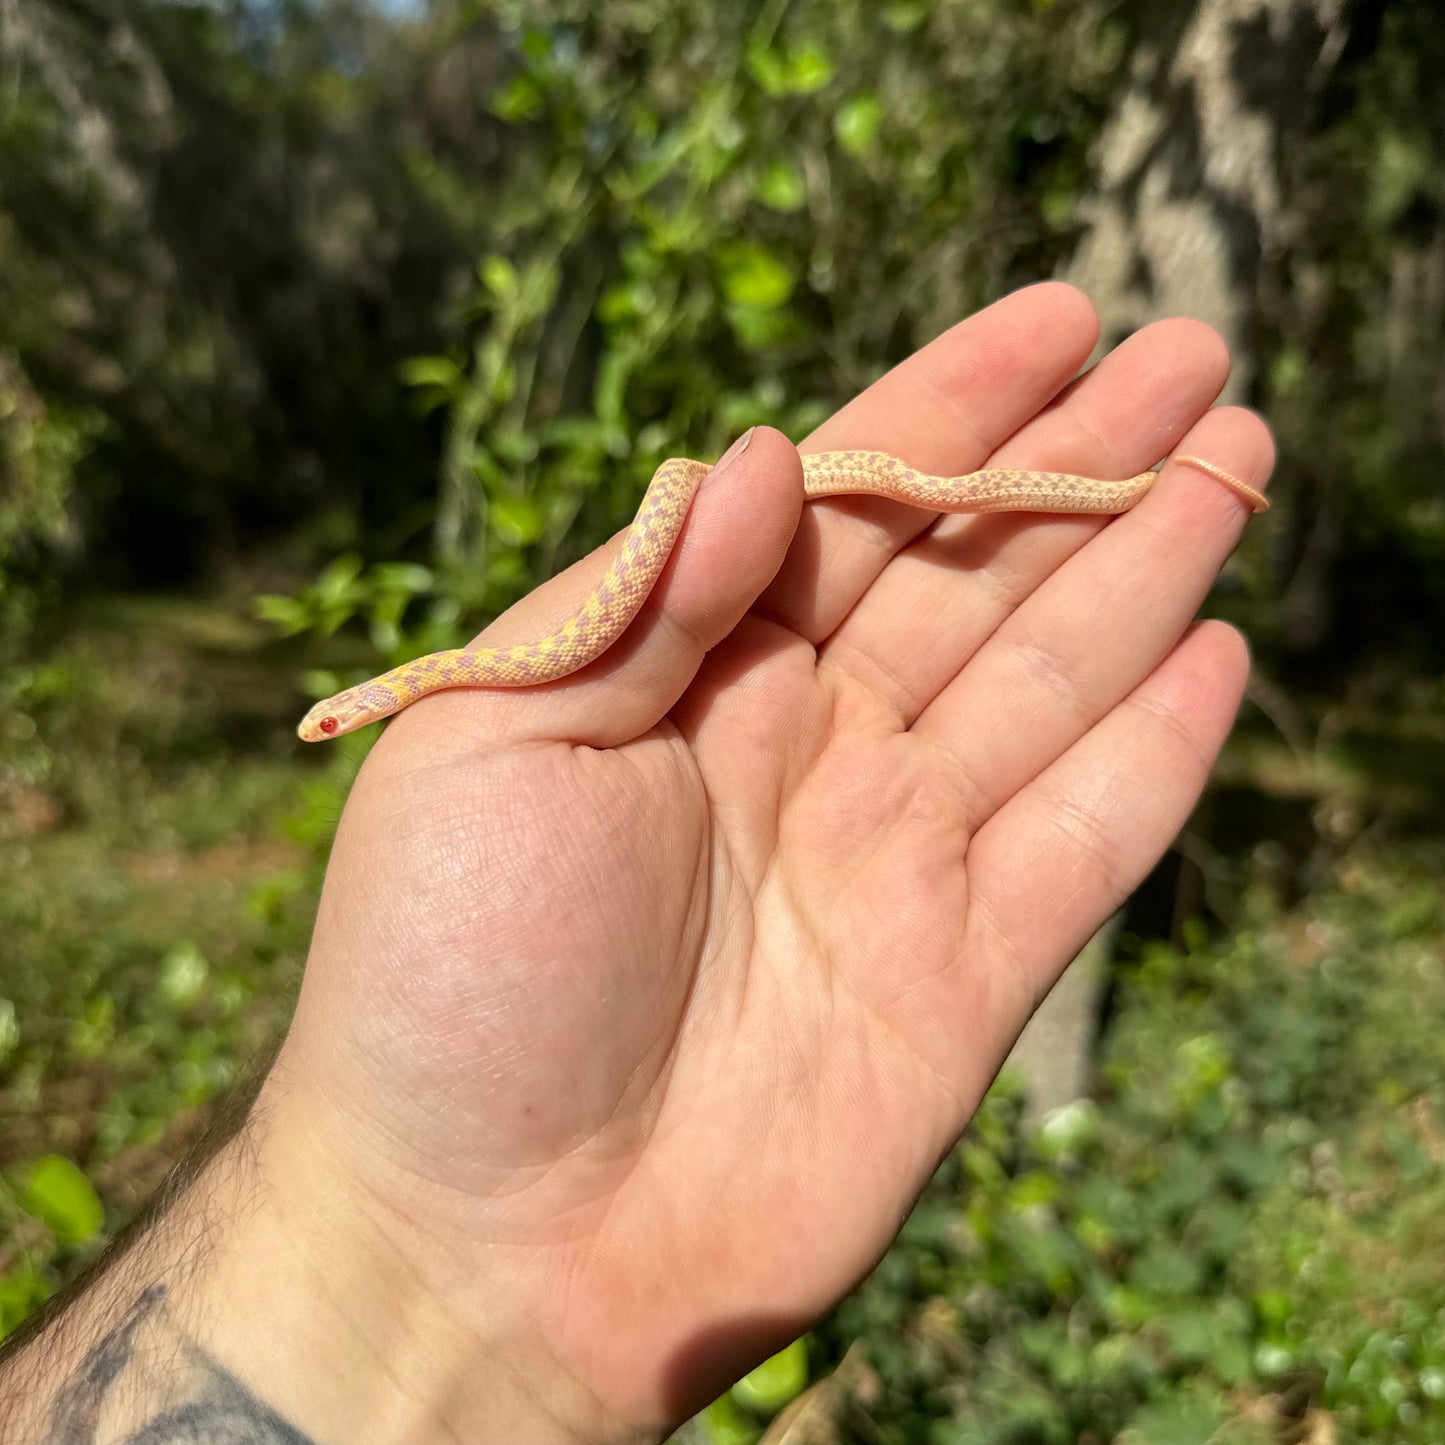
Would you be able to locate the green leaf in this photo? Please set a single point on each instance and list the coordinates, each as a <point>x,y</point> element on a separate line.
<point>499,276</point>
<point>337,582</point>
<point>1129,1308</point>
<point>856,124</point>
<point>1274,1308</point>
<point>1180,1421</point>
<point>769,69</point>
<point>22,1292</point>
<point>1069,1129</point>
<point>609,392</point>
<point>536,45</point>
<point>905,15</point>
<point>182,976</point>
<point>1289,371</point>
<point>94,1031</point>
<point>809,71</point>
<point>622,302</point>
<point>440,371</point>
<point>1165,1271</point>
<point>759,328</point>
<point>1402,163</point>
<point>1058,204</point>
<point>753,276</point>
<point>319,682</point>
<point>285,612</point>
<point>776,1381</point>
<point>519,99</point>
<point>781,186</point>
<point>406,577</point>
<point>1033,1189</point>
<point>805,71</point>
<point>725,1424</point>
<point>1190,1336</point>
<point>517,520</point>
<point>504,384</point>
<point>59,1195</point>
<point>1249,1164</point>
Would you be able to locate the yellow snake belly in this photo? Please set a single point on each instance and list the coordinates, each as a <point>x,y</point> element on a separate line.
<point>618,598</point>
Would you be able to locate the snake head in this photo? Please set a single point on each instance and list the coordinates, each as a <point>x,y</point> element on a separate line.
<point>334,717</point>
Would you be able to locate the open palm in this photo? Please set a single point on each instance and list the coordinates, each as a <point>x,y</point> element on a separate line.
<point>643,1004</point>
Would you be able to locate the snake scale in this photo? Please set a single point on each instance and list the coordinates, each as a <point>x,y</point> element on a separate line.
<point>617,598</point>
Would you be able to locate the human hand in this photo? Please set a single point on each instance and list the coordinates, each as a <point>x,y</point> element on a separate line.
<point>642,1005</point>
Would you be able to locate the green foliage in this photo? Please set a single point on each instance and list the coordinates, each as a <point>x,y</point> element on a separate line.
<point>709,219</point>
<point>1352,330</point>
<point>212,257</point>
<point>776,1381</point>
<point>725,1422</point>
<point>148,957</point>
<point>41,447</point>
<point>1245,1229</point>
<point>1245,1223</point>
<point>589,235</point>
<point>739,1417</point>
<point>460,282</point>
<point>61,1197</point>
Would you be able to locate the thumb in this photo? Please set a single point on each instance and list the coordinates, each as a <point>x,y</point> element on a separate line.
<point>733,541</point>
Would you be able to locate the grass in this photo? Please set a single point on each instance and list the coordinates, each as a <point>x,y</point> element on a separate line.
<point>1242,1239</point>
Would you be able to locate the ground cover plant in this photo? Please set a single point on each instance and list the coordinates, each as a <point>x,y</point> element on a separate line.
<point>1238,1239</point>
<point>466,273</point>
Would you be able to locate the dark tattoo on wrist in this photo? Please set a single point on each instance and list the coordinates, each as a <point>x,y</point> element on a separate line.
<point>146,1383</point>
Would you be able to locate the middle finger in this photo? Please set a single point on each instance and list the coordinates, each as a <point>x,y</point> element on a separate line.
<point>966,574</point>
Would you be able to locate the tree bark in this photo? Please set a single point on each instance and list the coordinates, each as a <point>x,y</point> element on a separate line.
<point>1190,214</point>
<point>1190,219</point>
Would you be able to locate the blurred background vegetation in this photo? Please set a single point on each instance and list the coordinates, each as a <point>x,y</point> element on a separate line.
<point>328,328</point>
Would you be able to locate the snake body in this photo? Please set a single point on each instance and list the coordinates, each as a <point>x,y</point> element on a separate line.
<point>617,599</point>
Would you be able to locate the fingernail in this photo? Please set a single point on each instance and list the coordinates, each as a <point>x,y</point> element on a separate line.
<point>734,451</point>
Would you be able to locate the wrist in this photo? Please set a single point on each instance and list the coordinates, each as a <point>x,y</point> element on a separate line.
<point>329,1305</point>
<point>275,1297</point>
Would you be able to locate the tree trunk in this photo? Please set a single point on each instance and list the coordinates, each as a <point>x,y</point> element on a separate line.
<point>1189,219</point>
<point>1190,216</point>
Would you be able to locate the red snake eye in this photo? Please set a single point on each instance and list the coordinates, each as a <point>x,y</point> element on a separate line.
<point>328,725</point>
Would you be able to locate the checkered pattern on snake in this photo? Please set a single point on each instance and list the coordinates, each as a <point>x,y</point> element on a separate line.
<point>617,599</point>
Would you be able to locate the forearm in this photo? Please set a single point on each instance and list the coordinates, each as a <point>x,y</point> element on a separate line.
<point>253,1311</point>
<point>145,1380</point>
<point>123,1357</point>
